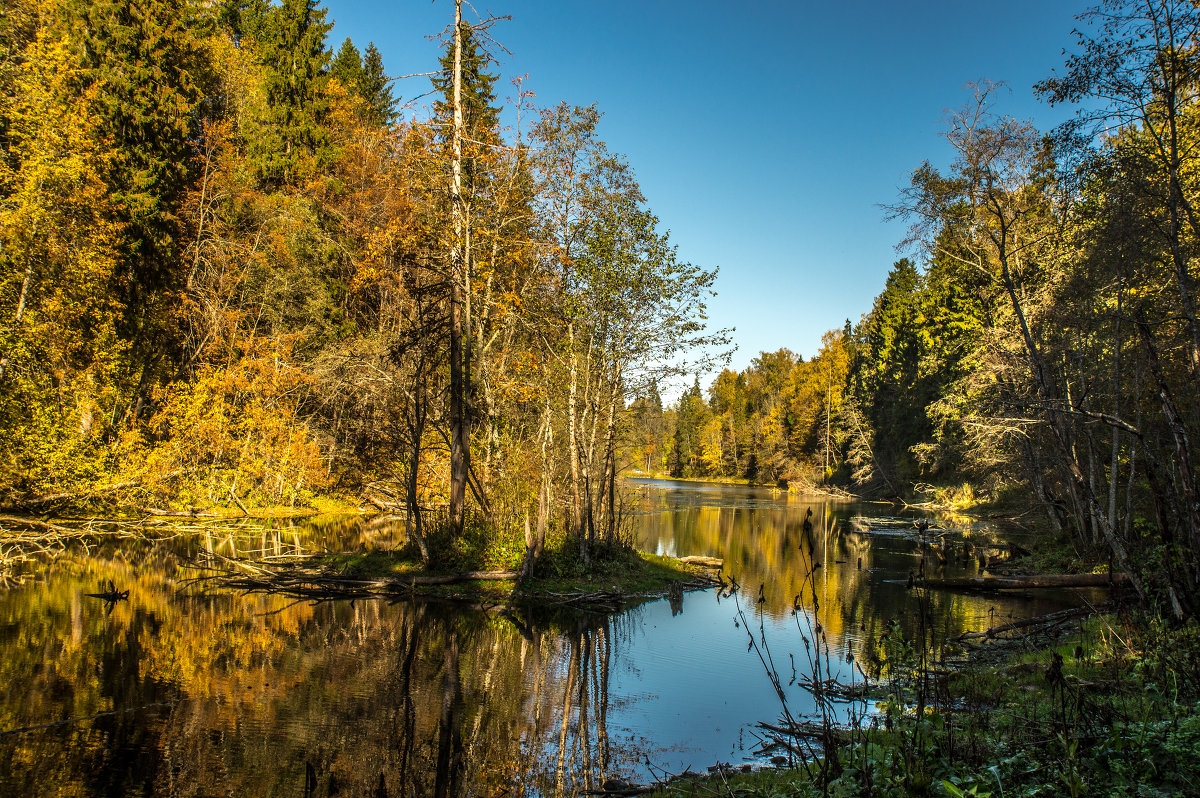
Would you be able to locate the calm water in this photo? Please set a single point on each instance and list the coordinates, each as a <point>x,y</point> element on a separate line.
<point>188,690</point>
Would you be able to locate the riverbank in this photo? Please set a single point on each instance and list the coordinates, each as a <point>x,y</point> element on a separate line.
<point>805,489</point>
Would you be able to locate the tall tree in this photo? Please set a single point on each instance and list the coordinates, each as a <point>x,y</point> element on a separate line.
<point>149,76</point>
<point>347,66</point>
<point>375,88</point>
<point>289,139</point>
<point>61,253</point>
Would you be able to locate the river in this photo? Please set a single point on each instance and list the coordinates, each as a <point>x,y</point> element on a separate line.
<point>184,689</point>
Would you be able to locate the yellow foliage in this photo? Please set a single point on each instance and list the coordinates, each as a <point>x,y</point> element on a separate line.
<point>59,351</point>
<point>237,429</point>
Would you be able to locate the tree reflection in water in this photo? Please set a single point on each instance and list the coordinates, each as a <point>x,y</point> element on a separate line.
<point>265,696</point>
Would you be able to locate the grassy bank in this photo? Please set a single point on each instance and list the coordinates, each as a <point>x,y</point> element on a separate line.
<point>612,575</point>
<point>485,563</point>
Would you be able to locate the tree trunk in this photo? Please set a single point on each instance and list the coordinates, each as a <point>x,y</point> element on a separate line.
<point>1046,582</point>
<point>460,427</point>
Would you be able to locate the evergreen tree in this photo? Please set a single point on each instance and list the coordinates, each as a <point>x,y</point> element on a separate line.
<point>481,119</point>
<point>375,88</point>
<point>148,73</point>
<point>690,417</point>
<point>347,66</point>
<point>244,19</point>
<point>363,77</point>
<point>896,342</point>
<point>290,132</point>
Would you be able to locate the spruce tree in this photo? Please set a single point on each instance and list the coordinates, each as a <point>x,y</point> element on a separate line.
<point>347,66</point>
<point>375,88</point>
<point>480,118</point>
<point>290,132</point>
<point>148,74</point>
<point>145,78</point>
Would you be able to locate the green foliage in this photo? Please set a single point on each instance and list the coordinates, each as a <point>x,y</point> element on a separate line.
<point>365,77</point>
<point>288,138</point>
<point>347,65</point>
<point>690,416</point>
<point>480,116</point>
<point>375,88</point>
<point>150,76</point>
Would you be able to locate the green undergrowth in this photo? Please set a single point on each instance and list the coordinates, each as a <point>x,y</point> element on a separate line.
<point>1111,710</point>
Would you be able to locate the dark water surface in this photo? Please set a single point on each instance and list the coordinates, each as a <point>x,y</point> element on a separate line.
<point>188,690</point>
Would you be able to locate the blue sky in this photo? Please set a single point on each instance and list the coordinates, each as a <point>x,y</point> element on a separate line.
<point>765,135</point>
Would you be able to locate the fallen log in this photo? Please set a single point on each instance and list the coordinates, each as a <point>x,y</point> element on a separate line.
<point>1041,620</point>
<point>704,562</point>
<point>161,513</point>
<point>807,729</point>
<point>466,576</point>
<point>1043,582</point>
<point>383,504</point>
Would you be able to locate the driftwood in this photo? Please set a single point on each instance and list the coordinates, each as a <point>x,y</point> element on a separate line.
<point>1045,582</point>
<point>262,513</point>
<point>807,729</point>
<point>52,498</point>
<point>36,524</point>
<point>383,504</point>
<point>74,495</point>
<point>161,513</point>
<point>704,562</point>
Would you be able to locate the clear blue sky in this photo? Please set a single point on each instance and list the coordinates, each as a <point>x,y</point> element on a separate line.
<point>765,135</point>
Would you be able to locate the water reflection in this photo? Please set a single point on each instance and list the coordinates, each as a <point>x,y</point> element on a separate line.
<point>184,690</point>
<point>859,555</point>
<point>172,694</point>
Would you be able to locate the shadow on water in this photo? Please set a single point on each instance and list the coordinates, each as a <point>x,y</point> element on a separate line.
<point>181,690</point>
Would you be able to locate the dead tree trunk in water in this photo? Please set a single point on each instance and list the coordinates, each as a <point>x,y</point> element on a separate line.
<point>449,750</point>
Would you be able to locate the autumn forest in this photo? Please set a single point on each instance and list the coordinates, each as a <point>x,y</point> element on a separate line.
<point>237,271</point>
